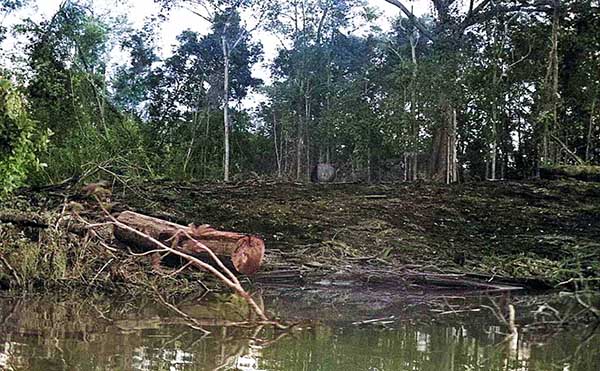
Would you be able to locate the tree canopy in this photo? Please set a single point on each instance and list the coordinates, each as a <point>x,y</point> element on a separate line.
<point>475,90</point>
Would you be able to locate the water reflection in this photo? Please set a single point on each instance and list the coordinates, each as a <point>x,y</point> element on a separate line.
<point>41,334</point>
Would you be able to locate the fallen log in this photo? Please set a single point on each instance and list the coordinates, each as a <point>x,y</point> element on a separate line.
<point>588,173</point>
<point>458,281</point>
<point>242,252</point>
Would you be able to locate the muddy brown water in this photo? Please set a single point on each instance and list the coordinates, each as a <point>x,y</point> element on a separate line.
<point>337,329</point>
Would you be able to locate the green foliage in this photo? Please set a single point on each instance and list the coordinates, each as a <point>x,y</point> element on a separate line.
<point>358,99</point>
<point>20,139</point>
<point>68,94</point>
<point>121,149</point>
<point>7,7</point>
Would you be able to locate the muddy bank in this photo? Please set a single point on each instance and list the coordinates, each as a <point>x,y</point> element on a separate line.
<point>535,234</point>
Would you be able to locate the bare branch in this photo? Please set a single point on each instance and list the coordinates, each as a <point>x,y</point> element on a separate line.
<point>521,59</point>
<point>412,17</point>
<point>480,15</point>
<point>208,18</point>
<point>479,7</point>
<point>321,22</point>
<point>248,32</point>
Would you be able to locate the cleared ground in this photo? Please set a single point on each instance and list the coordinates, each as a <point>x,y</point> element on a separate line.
<point>541,233</point>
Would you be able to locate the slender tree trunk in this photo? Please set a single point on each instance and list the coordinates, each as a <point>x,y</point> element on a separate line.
<point>284,155</point>
<point>494,149</point>
<point>415,166</point>
<point>555,94</point>
<point>451,150</point>
<point>588,144</point>
<point>307,134</point>
<point>352,167</point>
<point>414,39</point>
<point>188,154</point>
<point>369,163</point>
<point>448,169</point>
<point>195,124</point>
<point>551,91</point>
<point>494,152</point>
<point>299,150</point>
<point>454,147</point>
<point>406,165</point>
<point>277,151</point>
<point>206,141</point>
<point>225,109</point>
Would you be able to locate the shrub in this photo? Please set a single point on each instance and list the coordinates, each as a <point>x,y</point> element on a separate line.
<point>20,139</point>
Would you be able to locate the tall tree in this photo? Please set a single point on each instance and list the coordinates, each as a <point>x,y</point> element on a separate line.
<point>186,92</point>
<point>452,25</point>
<point>132,82</point>
<point>224,17</point>
<point>311,35</point>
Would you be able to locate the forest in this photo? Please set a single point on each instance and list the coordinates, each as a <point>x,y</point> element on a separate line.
<point>430,168</point>
<point>468,92</point>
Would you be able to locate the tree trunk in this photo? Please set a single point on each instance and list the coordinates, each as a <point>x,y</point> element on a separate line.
<point>406,166</point>
<point>195,124</point>
<point>551,94</point>
<point>369,163</point>
<point>414,127</point>
<point>225,108</point>
<point>206,141</point>
<point>438,154</point>
<point>494,149</point>
<point>299,150</point>
<point>454,147</point>
<point>443,156</point>
<point>588,144</point>
<point>415,166</point>
<point>277,151</point>
<point>307,134</point>
<point>243,252</point>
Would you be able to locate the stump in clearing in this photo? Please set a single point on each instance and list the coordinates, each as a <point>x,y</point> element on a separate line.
<point>242,252</point>
<point>323,173</point>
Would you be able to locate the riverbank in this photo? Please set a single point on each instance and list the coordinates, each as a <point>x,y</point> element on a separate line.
<point>535,234</point>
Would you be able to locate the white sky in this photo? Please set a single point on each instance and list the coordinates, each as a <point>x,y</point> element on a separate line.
<point>137,11</point>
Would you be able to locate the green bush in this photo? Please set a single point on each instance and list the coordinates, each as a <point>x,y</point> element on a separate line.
<point>20,139</point>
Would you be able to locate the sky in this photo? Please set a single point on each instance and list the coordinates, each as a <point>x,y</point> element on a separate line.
<point>137,11</point>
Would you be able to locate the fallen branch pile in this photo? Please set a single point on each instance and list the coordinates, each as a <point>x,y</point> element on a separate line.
<point>191,243</point>
<point>203,247</point>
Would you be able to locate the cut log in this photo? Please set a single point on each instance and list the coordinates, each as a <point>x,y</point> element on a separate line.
<point>242,252</point>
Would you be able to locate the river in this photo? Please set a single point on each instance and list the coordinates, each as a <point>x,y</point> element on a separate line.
<point>335,330</point>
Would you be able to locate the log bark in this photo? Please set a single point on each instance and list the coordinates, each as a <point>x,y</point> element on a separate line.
<point>242,252</point>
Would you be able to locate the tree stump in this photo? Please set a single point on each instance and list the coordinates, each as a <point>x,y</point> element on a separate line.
<point>325,173</point>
